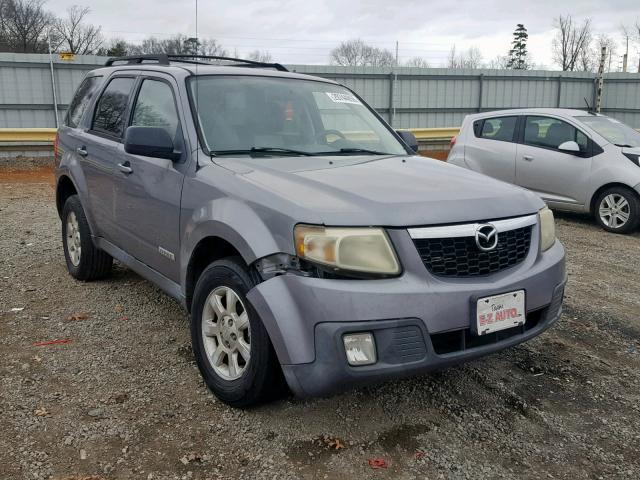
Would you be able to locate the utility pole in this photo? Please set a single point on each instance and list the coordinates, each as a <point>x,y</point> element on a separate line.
<point>396,53</point>
<point>600,79</point>
<point>53,79</point>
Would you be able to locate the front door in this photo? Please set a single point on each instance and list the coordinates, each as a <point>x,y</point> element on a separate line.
<point>558,177</point>
<point>149,189</point>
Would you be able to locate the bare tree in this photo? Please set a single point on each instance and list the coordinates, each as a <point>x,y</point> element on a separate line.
<point>471,58</point>
<point>210,46</point>
<point>499,62</point>
<point>115,47</point>
<point>260,56</point>
<point>417,62</point>
<point>72,34</point>
<point>356,52</point>
<point>23,26</point>
<point>570,42</point>
<point>178,45</point>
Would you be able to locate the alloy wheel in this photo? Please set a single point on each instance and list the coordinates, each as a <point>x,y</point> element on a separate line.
<point>226,333</point>
<point>74,246</point>
<point>614,210</point>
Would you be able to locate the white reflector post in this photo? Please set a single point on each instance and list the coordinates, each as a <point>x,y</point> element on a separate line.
<point>360,348</point>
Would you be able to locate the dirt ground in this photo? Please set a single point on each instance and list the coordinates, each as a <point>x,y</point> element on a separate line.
<point>121,398</point>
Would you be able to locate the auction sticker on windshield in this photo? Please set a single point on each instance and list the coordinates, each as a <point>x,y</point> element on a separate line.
<point>500,312</point>
<point>340,97</point>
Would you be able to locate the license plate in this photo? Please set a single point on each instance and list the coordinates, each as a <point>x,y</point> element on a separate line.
<point>499,312</point>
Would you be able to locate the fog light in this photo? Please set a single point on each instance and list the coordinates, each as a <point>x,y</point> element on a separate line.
<point>360,348</point>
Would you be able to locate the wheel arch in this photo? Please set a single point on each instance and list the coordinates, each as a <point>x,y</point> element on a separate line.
<point>207,250</point>
<point>598,192</point>
<point>64,189</point>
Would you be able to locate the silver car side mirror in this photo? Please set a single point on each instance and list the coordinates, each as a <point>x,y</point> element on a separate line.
<point>569,146</point>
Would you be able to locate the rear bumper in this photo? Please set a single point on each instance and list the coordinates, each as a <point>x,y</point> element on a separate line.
<point>306,318</point>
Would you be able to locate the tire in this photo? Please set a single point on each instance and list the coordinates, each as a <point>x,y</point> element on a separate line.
<point>617,210</point>
<point>244,382</point>
<point>87,262</point>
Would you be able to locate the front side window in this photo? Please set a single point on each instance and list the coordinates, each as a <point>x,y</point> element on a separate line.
<point>498,128</point>
<point>550,132</point>
<point>239,113</point>
<point>81,100</point>
<point>110,113</point>
<point>155,107</point>
<point>612,130</point>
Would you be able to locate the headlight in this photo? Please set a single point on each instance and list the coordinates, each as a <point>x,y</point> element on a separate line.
<point>365,250</point>
<point>547,229</point>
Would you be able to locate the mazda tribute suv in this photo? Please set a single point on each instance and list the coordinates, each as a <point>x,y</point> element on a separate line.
<point>311,245</point>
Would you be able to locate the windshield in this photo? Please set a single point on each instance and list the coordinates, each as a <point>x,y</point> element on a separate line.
<point>280,116</point>
<point>613,130</point>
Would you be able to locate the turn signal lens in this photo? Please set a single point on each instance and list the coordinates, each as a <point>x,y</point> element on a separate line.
<point>547,229</point>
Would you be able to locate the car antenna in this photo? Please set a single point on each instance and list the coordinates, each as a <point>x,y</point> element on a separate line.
<point>589,109</point>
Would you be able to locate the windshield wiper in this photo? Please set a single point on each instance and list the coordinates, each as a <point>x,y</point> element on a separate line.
<point>623,145</point>
<point>353,150</point>
<point>262,150</point>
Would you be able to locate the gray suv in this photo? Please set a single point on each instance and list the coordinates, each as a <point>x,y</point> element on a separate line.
<point>309,243</point>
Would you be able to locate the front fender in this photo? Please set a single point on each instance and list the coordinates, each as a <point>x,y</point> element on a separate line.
<point>235,222</point>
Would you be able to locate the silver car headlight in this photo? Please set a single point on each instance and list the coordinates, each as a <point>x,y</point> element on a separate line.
<point>547,229</point>
<point>366,250</point>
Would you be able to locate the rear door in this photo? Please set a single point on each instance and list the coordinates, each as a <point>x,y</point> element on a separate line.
<point>149,189</point>
<point>558,177</point>
<point>101,150</point>
<point>491,149</point>
<point>73,142</point>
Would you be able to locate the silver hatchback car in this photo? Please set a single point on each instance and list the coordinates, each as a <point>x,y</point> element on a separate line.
<point>574,160</point>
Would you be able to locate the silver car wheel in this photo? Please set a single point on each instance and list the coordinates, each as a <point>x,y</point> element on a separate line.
<point>614,210</point>
<point>74,246</point>
<point>226,333</point>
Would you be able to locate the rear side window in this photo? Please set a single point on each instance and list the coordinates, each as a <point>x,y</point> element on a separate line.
<point>498,128</point>
<point>110,113</point>
<point>81,100</point>
<point>155,107</point>
<point>550,132</point>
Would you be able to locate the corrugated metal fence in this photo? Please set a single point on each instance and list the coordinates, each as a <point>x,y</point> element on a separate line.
<point>407,97</point>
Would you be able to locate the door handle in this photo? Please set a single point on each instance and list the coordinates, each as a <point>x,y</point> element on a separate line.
<point>528,158</point>
<point>125,168</point>
<point>82,151</point>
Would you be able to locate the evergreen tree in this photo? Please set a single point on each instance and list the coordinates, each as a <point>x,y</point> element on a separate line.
<point>518,55</point>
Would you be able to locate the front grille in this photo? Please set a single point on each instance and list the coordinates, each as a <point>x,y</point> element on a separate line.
<point>460,256</point>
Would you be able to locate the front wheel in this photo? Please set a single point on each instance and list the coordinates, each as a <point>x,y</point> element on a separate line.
<point>617,210</point>
<point>231,346</point>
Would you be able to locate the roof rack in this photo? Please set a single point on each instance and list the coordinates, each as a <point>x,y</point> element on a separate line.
<point>165,59</point>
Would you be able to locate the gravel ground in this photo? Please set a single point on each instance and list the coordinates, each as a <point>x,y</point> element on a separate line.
<point>123,399</point>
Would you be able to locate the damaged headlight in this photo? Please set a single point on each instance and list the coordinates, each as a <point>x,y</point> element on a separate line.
<point>364,250</point>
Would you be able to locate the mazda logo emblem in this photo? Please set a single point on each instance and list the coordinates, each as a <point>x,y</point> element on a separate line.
<point>486,237</point>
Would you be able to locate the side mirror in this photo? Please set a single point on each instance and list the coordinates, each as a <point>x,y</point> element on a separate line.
<point>409,138</point>
<point>569,147</point>
<point>150,142</point>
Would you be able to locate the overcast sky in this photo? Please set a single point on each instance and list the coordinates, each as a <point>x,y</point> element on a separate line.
<point>305,31</point>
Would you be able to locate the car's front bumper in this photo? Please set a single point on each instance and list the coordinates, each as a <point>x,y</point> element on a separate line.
<point>306,318</point>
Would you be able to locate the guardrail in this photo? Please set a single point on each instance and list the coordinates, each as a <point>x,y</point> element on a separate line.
<point>48,134</point>
<point>27,135</point>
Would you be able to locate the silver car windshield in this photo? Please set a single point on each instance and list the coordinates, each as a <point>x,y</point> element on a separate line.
<point>247,115</point>
<point>613,130</point>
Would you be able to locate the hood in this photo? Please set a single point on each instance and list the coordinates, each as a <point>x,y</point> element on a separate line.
<point>395,191</point>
